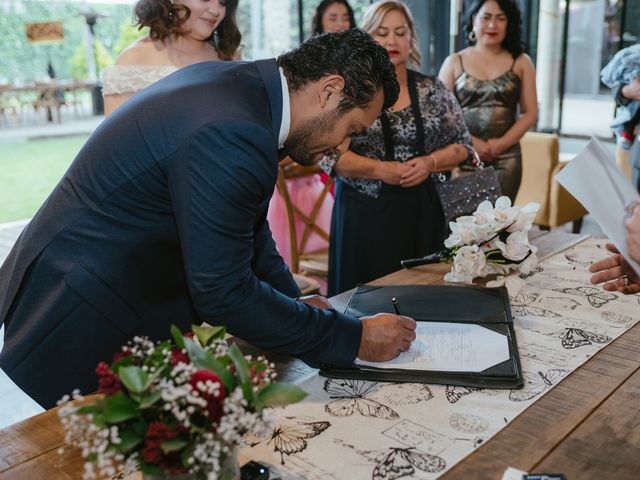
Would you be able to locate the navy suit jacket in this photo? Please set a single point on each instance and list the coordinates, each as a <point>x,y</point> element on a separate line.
<point>161,219</point>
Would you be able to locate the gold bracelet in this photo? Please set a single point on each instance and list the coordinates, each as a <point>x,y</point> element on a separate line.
<point>435,162</point>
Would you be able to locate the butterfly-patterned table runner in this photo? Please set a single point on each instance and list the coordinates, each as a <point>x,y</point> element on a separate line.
<point>354,429</point>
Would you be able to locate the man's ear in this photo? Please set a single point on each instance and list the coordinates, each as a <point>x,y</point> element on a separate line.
<point>330,90</point>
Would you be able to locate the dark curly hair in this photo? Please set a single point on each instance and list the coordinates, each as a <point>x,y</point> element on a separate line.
<point>513,39</point>
<point>316,21</point>
<point>352,54</point>
<point>165,18</point>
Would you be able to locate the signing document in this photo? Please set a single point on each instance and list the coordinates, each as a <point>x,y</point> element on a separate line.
<point>595,181</point>
<point>450,347</point>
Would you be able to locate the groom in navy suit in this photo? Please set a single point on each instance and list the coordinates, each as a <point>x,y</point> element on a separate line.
<point>161,219</point>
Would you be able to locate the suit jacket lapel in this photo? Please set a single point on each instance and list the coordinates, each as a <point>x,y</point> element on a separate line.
<point>268,70</point>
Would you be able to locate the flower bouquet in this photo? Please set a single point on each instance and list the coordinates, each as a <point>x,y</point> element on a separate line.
<point>493,240</point>
<point>174,408</point>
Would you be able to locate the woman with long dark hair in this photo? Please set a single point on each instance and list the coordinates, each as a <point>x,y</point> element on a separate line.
<point>495,83</point>
<point>332,16</point>
<point>181,33</point>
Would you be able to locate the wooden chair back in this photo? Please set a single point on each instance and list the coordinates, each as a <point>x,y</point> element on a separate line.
<point>299,249</point>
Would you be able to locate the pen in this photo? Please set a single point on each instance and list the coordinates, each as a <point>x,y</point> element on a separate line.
<point>396,305</point>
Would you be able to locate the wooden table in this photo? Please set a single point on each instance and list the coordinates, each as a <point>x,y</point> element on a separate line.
<point>49,95</point>
<point>586,427</point>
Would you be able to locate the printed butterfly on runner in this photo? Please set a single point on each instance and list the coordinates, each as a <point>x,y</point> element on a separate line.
<point>402,462</point>
<point>350,397</point>
<point>522,305</point>
<point>537,384</point>
<point>576,337</point>
<point>393,463</point>
<point>405,393</point>
<point>596,297</point>
<point>291,436</point>
<point>576,261</point>
<point>456,392</point>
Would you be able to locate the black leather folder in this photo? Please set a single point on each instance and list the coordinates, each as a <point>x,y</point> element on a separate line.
<point>487,307</point>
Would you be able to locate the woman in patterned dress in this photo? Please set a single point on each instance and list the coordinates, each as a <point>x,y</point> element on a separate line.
<point>386,205</point>
<point>181,33</point>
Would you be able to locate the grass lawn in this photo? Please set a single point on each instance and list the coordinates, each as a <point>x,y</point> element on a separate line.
<point>30,170</point>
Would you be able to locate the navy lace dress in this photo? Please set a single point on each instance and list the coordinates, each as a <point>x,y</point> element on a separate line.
<point>375,225</point>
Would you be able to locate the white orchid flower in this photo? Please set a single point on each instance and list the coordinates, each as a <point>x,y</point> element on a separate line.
<point>525,218</point>
<point>468,264</point>
<point>516,248</point>
<point>513,283</point>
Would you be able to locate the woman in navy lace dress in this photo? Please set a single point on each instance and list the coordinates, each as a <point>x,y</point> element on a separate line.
<point>386,207</point>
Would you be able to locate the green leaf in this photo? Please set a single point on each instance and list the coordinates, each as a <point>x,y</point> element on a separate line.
<point>169,446</point>
<point>177,336</point>
<point>99,421</point>
<point>129,439</point>
<point>277,393</point>
<point>119,408</point>
<point>205,360</point>
<point>186,453</point>
<point>148,469</point>
<point>134,378</point>
<point>140,428</point>
<point>149,400</point>
<point>207,333</point>
<point>123,362</point>
<point>242,369</point>
<point>86,409</point>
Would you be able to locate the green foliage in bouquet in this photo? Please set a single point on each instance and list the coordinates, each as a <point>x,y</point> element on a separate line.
<point>173,407</point>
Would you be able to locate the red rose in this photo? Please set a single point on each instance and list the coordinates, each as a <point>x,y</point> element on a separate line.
<point>258,377</point>
<point>157,434</point>
<point>120,355</point>
<point>109,385</point>
<point>178,356</point>
<point>214,401</point>
<point>152,455</point>
<point>108,382</point>
<point>103,369</point>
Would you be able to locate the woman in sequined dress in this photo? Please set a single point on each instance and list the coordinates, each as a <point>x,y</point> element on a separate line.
<point>492,79</point>
<point>386,207</point>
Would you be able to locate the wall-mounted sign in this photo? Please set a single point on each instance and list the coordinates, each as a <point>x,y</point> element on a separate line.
<point>45,32</point>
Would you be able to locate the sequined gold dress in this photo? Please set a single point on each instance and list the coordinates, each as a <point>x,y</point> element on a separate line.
<point>490,108</point>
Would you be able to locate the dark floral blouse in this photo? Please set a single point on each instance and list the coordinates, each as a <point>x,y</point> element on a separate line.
<point>443,125</point>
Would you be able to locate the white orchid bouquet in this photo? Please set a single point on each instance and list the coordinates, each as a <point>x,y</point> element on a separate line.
<point>493,240</point>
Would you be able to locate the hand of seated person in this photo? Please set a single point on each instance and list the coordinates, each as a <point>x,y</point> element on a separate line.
<point>616,272</point>
<point>421,168</point>
<point>384,336</point>
<point>316,301</point>
<point>484,150</point>
<point>633,234</point>
<point>632,90</point>
<point>391,172</point>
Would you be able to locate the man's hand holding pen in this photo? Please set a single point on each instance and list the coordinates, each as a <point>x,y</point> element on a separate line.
<point>384,336</point>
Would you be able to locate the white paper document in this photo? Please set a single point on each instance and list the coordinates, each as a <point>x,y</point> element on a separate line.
<point>452,347</point>
<point>595,181</point>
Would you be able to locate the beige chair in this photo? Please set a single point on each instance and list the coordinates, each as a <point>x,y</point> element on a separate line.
<point>540,163</point>
<point>622,161</point>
